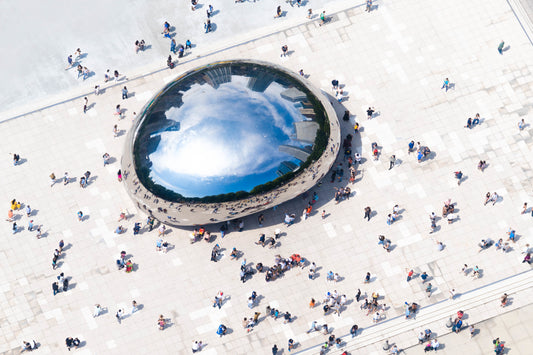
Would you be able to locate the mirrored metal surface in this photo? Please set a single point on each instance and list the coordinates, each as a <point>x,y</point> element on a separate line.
<point>228,138</point>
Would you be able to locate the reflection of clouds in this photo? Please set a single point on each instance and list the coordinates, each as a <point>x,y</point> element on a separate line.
<point>230,131</point>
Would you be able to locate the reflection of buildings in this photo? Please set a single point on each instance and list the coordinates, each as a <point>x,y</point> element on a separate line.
<point>217,76</point>
<point>260,81</point>
<point>286,167</point>
<point>167,126</point>
<point>299,153</point>
<point>306,131</point>
<point>293,95</point>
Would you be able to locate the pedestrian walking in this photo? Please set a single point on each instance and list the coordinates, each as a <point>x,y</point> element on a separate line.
<point>116,75</point>
<point>392,161</point>
<point>97,90</point>
<point>503,300</point>
<point>66,178</point>
<point>500,47</point>
<point>124,93</point>
<point>322,18</point>
<point>115,131</point>
<point>85,104</point>
<point>309,13</point>
<point>55,288</point>
<point>107,76</point>
<point>358,295</point>
<point>70,62</point>
<point>278,12</point>
<point>86,73</point>
<point>410,275</point>
<point>65,285</point>
<point>133,307</point>
<point>118,112</point>
<point>97,310</point>
<point>119,315</point>
<point>472,330</point>
<point>368,5</point>
<point>368,212</point>
<point>428,290</point>
<point>521,124</point>
<point>80,216</point>
<point>207,25</point>
<point>452,293</point>
<point>284,50</point>
<point>446,84</point>
<point>353,330</point>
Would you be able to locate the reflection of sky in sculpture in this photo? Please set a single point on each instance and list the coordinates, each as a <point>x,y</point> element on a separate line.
<point>227,140</point>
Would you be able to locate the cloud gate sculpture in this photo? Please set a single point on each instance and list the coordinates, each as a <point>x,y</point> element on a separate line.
<point>227,140</point>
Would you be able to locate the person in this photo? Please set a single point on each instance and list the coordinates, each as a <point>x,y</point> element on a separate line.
<point>503,300</point>
<point>169,62</point>
<point>207,26</point>
<point>392,161</point>
<point>458,176</point>
<point>476,120</point>
<point>234,254</point>
<point>446,84</point>
<point>119,175</point>
<point>435,344</point>
<point>368,5</point>
<point>512,235</point>
<point>129,266</point>
<point>500,47</point>
<point>76,343</point>
<point>457,324</point>
<point>278,12</point>
<point>472,331</point>
<point>521,124</point>
<point>274,349</point>
<point>452,293</point>
<point>261,240</point>
<point>428,290</point>
<point>322,18</point>
<point>136,228</point>
<point>475,274</point>
<point>68,342</point>
<point>161,322</point>
<point>370,112</point>
<point>284,50</point>
<point>196,346</point>
<point>527,258</point>
<point>222,330</point>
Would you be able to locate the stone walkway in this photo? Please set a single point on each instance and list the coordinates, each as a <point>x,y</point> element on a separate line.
<point>395,59</point>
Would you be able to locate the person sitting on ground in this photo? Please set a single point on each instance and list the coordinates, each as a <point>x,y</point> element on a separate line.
<point>119,230</point>
<point>484,244</point>
<point>234,254</point>
<point>261,240</point>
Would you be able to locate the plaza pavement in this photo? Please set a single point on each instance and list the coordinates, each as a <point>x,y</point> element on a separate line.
<point>395,59</point>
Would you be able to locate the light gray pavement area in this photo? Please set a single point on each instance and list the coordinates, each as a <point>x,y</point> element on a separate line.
<point>38,37</point>
<point>509,327</point>
<point>395,59</point>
